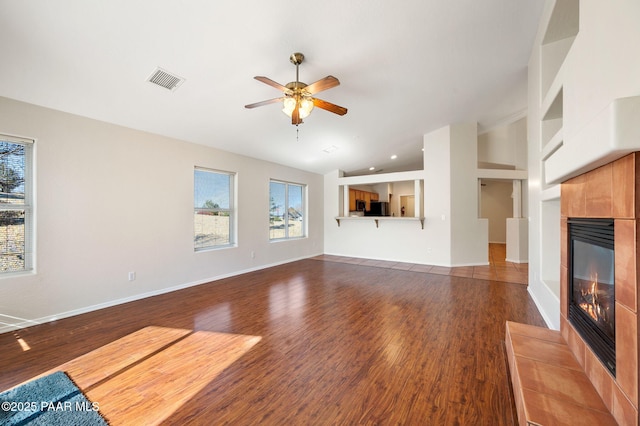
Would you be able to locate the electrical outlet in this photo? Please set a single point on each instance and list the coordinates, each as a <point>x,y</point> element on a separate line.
<point>253,254</point>
<point>132,276</point>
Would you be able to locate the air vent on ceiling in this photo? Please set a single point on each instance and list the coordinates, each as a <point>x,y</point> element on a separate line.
<point>164,78</point>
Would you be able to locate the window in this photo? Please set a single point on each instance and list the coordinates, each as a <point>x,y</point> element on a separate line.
<point>286,210</point>
<point>16,213</point>
<point>213,209</point>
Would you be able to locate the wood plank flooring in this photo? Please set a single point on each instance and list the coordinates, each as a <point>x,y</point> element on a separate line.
<point>339,343</point>
<point>498,268</point>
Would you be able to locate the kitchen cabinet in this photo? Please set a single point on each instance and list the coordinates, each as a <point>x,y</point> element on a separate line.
<point>366,196</point>
<point>382,186</point>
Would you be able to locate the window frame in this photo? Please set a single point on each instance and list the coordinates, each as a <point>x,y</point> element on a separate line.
<point>27,205</point>
<point>231,211</point>
<point>303,202</point>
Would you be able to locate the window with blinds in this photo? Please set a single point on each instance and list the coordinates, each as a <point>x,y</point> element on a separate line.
<point>214,211</point>
<point>16,204</point>
<point>286,210</point>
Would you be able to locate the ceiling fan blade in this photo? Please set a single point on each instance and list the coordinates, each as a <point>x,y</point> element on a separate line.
<point>336,109</point>
<point>326,83</point>
<point>272,83</point>
<point>258,104</point>
<point>295,115</point>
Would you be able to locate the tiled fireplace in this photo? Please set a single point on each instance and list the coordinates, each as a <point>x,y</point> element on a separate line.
<point>591,285</point>
<point>608,192</point>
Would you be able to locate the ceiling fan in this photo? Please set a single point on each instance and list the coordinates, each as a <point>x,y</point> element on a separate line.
<point>298,100</point>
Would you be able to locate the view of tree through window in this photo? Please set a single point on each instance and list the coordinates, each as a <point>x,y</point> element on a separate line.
<point>15,205</point>
<point>286,210</point>
<point>213,209</point>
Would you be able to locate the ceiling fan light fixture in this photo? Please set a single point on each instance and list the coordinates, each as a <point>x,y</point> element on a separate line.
<point>288,105</point>
<point>305,106</point>
<point>298,100</point>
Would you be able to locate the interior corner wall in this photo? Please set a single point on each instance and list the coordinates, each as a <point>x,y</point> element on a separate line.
<point>505,145</point>
<point>457,235</point>
<point>469,233</point>
<point>547,302</point>
<point>110,200</point>
<point>437,195</point>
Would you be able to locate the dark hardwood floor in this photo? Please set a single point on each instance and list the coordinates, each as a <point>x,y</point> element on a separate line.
<point>340,344</point>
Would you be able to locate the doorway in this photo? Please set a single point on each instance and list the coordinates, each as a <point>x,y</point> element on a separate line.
<point>496,205</point>
<point>408,203</point>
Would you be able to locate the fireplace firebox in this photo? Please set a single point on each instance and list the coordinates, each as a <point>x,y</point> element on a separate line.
<point>592,285</point>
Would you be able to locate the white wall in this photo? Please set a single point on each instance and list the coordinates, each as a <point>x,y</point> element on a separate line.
<point>547,301</point>
<point>505,145</point>
<point>453,235</point>
<point>110,200</point>
<point>383,190</point>
<point>469,233</point>
<point>437,195</point>
<point>398,189</point>
<point>393,240</point>
<point>601,66</point>
<point>497,206</point>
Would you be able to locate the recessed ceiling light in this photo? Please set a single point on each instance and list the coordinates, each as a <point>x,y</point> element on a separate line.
<point>330,149</point>
<point>372,168</point>
<point>393,157</point>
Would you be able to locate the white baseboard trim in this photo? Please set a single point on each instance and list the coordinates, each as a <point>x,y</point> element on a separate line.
<point>446,265</point>
<point>545,315</point>
<point>517,260</point>
<point>460,265</point>
<point>10,323</point>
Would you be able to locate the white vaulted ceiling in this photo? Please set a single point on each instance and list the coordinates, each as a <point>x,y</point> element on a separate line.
<point>406,68</point>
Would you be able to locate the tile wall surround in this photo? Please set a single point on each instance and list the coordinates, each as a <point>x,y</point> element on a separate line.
<point>610,191</point>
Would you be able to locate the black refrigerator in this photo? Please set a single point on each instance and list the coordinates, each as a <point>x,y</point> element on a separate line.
<point>378,208</point>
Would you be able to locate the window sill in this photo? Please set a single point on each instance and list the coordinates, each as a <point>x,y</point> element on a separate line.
<point>207,249</point>
<point>17,274</point>
<point>279,240</point>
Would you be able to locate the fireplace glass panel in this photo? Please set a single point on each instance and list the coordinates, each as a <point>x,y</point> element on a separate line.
<point>593,284</point>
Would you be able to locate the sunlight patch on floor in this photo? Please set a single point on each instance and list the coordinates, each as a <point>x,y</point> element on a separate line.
<point>145,376</point>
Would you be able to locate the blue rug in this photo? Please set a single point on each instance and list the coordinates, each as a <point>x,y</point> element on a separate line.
<point>51,400</point>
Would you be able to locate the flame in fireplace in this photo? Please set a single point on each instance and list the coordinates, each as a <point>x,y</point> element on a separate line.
<point>590,301</point>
